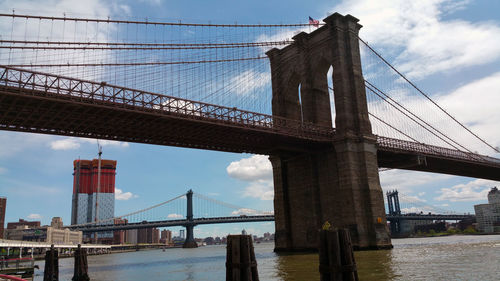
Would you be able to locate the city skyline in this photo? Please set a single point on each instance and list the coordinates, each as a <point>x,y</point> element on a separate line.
<point>36,171</point>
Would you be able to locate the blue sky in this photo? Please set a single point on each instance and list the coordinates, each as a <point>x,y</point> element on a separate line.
<point>450,48</point>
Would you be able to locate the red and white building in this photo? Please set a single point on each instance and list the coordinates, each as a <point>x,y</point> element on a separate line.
<point>86,192</point>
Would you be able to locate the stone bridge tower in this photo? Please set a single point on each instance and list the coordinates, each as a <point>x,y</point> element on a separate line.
<point>340,184</point>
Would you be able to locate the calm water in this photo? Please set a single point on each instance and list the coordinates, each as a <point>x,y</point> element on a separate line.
<point>440,258</point>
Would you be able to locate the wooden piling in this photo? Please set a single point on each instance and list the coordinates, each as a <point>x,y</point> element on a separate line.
<point>336,258</point>
<point>51,271</point>
<point>80,272</point>
<point>240,259</point>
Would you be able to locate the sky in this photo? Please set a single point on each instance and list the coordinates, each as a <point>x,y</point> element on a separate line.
<point>451,49</point>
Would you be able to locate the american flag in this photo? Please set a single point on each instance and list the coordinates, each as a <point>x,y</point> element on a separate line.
<point>314,22</point>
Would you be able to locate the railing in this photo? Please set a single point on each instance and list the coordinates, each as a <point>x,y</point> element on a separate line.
<point>13,278</point>
<point>427,149</point>
<point>93,92</point>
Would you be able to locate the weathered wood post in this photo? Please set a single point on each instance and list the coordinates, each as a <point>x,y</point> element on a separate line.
<point>81,267</point>
<point>336,259</point>
<point>240,259</point>
<point>51,271</point>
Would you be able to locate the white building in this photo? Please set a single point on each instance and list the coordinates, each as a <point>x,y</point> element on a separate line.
<point>488,215</point>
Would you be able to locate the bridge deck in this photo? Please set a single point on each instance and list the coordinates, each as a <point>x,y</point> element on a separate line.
<point>169,223</point>
<point>257,218</point>
<point>49,104</point>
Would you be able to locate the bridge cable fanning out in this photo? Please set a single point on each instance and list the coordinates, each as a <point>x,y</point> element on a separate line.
<point>428,97</point>
<point>223,64</point>
<point>132,213</point>
<point>232,206</point>
<point>411,204</point>
<point>415,118</point>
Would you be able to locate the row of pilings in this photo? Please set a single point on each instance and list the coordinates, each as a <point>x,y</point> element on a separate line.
<point>51,271</point>
<point>336,259</point>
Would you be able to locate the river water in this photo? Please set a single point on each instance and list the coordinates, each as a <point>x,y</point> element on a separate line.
<point>436,258</point>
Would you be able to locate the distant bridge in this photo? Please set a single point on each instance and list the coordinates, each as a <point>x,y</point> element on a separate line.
<point>240,219</point>
<point>170,223</point>
<point>394,216</point>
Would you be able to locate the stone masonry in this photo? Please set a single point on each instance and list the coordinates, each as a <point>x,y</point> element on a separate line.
<point>340,184</point>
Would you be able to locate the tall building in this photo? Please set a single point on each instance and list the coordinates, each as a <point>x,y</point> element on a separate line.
<point>166,237</point>
<point>488,215</point>
<point>120,236</point>
<point>86,193</point>
<point>148,235</point>
<point>156,236</point>
<point>3,204</point>
<point>131,236</point>
<point>57,223</point>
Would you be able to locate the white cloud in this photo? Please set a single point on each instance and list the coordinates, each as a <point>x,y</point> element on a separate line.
<point>3,171</point>
<point>104,143</point>
<point>476,190</point>
<point>151,2</point>
<point>245,211</point>
<point>482,113</point>
<point>263,190</point>
<point>34,216</point>
<point>75,143</point>
<point>258,171</point>
<point>65,144</point>
<point>424,43</point>
<point>120,195</point>
<point>425,209</point>
<point>403,198</point>
<point>175,216</point>
<point>257,167</point>
<point>398,179</point>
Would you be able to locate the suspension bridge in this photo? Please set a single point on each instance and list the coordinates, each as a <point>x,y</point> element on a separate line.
<point>205,210</point>
<point>210,86</point>
<point>168,214</point>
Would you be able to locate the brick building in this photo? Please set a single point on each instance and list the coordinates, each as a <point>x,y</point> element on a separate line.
<point>3,205</point>
<point>21,222</point>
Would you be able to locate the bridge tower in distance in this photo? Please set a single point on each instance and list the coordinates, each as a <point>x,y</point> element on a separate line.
<point>190,242</point>
<point>394,209</point>
<point>340,184</point>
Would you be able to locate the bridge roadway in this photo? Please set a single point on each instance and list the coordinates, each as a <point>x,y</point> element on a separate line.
<point>48,104</point>
<point>167,223</point>
<point>428,217</point>
<point>200,221</point>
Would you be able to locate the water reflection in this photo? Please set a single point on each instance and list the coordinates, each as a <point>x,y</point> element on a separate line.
<point>439,258</point>
<point>297,267</point>
<point>375,265</point>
